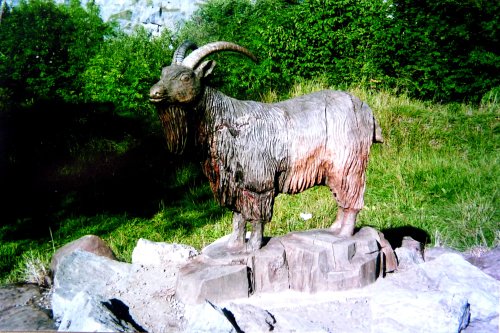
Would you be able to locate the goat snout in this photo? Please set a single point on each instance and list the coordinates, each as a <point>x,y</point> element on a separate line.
<point>156,94</point>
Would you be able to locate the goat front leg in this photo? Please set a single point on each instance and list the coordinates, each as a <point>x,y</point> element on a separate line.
<point>237,238</point>
<point>257,235</point>
<point>345,222</point>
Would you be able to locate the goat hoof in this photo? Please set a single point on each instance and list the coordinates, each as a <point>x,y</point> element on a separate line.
<point>235,245</point>
<point>343,231</point>
<point>254,245</point>
<point>335,228</point>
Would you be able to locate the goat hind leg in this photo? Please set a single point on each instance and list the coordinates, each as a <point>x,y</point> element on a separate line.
<point>348,192</point>
<point>345,222</point>
<point>335,227</point>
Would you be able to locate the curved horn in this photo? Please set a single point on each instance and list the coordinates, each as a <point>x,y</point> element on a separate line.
<point>180,53</point>
<point>197,55</point>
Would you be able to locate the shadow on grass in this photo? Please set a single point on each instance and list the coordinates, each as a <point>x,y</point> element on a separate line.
<point>395,235</point>
<point>59,161</point>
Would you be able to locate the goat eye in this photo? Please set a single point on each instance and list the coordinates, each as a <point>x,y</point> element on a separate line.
<point>184,78</point>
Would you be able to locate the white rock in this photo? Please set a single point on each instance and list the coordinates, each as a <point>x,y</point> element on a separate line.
<point>147,291</point>
<point>206,318</point>
<point>407,258</point>
<point>84,271</point>
<point>438,291</point>
<point>435,296</point>
<point>432,253</point>
<point>88,314</point>
<point>399,310</point>
<point>161,254</point>
<point>455,275</point>
<point>154,15</point>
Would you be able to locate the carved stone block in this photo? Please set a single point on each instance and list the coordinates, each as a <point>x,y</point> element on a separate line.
<point>306,261</point>
<point>320,261</point>
<point>200,280</point>
<point>269,268</point>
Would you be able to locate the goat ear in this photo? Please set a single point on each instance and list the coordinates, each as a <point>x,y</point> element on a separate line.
<point>205,69</point>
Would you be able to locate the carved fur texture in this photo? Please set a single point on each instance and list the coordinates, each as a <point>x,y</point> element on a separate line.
<point>253,151</point>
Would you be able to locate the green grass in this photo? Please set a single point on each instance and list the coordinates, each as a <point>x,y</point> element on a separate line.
<point>436,173</point>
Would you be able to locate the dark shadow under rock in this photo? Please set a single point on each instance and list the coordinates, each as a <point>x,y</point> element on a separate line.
<point>395,236</point>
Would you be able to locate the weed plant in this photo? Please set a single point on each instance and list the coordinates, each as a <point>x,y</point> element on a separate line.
<point>436,176</point>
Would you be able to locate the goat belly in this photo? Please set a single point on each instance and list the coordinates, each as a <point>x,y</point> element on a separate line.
<point>306,143</point>
<point>306,172</point>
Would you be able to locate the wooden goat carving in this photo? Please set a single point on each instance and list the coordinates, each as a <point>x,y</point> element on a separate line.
<point>254,151</point>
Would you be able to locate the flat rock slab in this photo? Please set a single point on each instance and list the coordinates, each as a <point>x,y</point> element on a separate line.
<point>308,261</point>
<point>488,262</point>
<point>201,280</point>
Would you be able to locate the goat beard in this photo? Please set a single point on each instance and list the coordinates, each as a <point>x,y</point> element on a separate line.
<point>174,121</point>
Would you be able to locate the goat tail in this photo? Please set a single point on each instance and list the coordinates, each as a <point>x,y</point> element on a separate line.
<point>377,132</point>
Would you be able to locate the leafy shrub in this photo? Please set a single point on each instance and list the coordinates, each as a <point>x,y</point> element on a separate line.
<point>445,50</point>
<point>242,22</point>
<point>327,38</point>
<point>125,68</point>
<point>45,46</point>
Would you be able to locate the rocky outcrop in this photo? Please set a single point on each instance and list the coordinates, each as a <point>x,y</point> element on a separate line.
<point>488,262</point>
<point>154,15</point>
<point>446,294</point>
<point>145,292</point>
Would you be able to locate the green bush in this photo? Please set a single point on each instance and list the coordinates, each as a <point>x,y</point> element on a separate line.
<point>327,38</point>
<point>241,22</point>
<point>125,68</point>
<point>445,50</point>
<point>45,47</point>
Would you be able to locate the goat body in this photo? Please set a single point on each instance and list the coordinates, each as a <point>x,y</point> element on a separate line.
<point>254,151</point>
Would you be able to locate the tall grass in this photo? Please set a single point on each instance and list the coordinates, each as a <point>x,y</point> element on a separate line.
<point>437,172</point>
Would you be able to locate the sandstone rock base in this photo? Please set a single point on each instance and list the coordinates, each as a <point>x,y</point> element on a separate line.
<point>89,243</point>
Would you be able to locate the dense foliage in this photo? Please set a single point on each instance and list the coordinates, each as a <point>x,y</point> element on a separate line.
<point>125,68</point>
<point>45,47</point>
<point>447,49</point>
<point>444,50</point>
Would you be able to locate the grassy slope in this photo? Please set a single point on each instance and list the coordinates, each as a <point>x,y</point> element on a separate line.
<point>437,171</point>
<point>435,177</point>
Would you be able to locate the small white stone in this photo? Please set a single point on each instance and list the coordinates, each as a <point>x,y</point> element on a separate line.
<point>160,254</point>
<point>306,216</point>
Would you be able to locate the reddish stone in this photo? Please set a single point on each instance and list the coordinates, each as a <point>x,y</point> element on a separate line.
<point>88,243</point>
